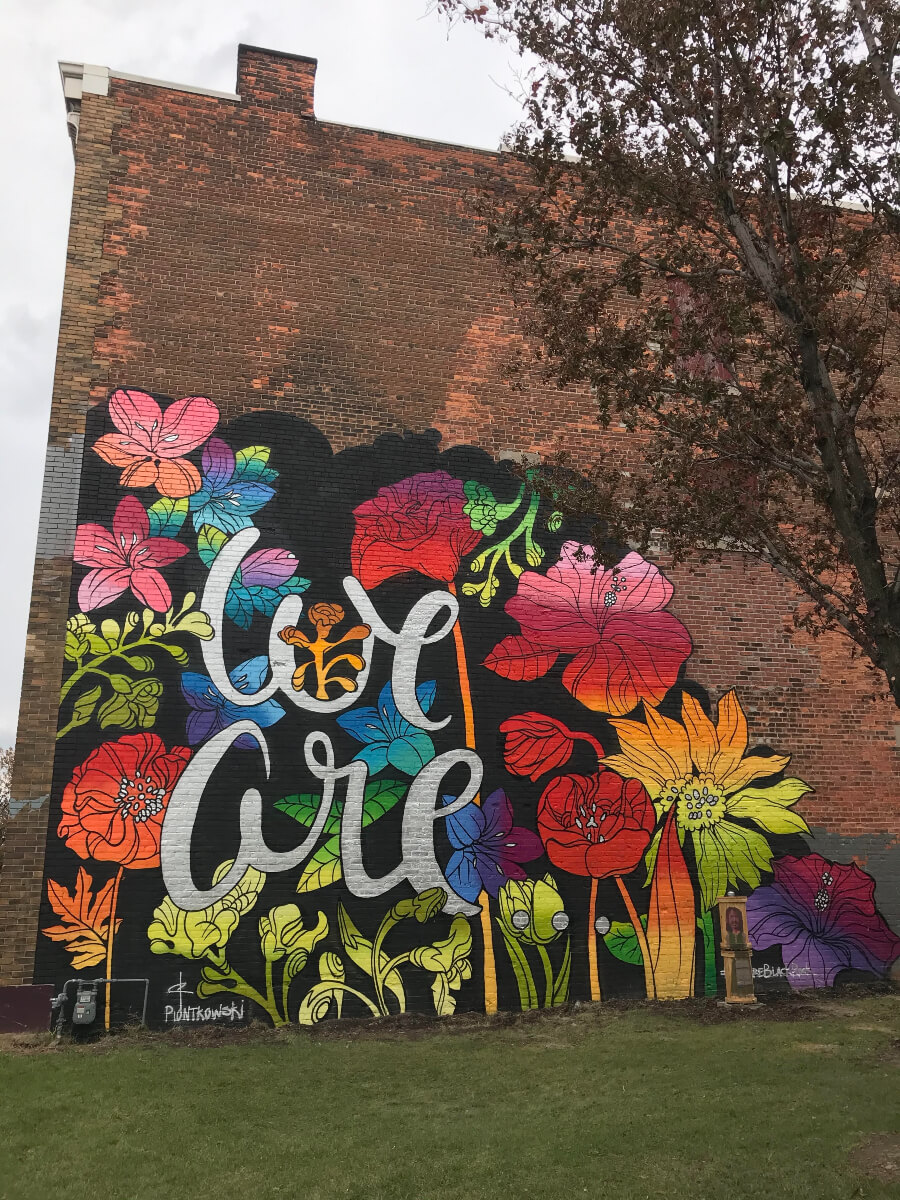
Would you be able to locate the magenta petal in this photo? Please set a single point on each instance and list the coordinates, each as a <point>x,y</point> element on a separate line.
<point>521,845</point>
<point>136,414</point>
<point>151,589</point>
<point>268,568</point>
<point>96,547</point>
<point>186,424</point>
<point>102,586</point>
<point>130,524</point>
<point>157,552</point>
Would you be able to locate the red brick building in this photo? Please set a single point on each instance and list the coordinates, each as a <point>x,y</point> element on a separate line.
<point>237,248</point>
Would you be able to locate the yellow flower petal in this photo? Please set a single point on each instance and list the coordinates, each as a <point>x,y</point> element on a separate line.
<point>628,768</point>
<point>754,766</point>
<point>671,737</point>
<point>732,733</point>
<point>769,807</point>
<point>704,741</point>
<point>637,743</point>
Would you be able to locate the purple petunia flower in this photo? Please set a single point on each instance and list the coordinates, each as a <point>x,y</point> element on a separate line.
<point>487,848</point>
<point>823,917</point>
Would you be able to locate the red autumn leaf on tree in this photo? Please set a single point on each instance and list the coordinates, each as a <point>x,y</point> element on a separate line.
<point>598,825</point>
<point>114,805</point>
<point>85,919</point>
<point>536,743</point>
<point>626,647</point>
<point>417,524</point>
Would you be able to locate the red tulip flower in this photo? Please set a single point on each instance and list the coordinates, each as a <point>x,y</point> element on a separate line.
<point>598,825</point>
<point>417,524</point>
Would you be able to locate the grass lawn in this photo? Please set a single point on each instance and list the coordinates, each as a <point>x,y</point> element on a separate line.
<point>602,1102</point>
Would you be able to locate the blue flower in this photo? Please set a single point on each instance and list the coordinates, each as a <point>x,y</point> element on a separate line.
<point>487,848</point>
<point>233,488</point>
<point>211,712</point>
<point>387,736</point>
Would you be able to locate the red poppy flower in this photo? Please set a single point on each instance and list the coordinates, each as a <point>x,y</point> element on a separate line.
<point>597,825</point>
<point>126,558</point>
<point>626,647</point>
<point>114,806</point>
<point>151,443</point>
<point>417,524</point>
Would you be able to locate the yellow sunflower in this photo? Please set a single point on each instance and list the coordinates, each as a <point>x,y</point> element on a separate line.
<point>706,772</point>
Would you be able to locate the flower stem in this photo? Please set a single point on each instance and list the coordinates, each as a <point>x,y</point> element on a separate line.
<point>109,943</point>
<point>548,975</point>
<point>593,969</point>
<point>489,966</point>
<point>641,938</point>
<point>710,983</point>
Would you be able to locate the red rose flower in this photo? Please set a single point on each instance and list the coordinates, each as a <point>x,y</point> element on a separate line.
<point>417,524</point>
<point>536,743</point>
<point>113,808</point>
<point>597,825</point>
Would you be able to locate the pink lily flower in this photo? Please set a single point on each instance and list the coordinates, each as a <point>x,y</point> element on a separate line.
<point>151,444</point>
<point>126,558</point>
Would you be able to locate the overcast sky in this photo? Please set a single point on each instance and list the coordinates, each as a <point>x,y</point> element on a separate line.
<point>386,64</point>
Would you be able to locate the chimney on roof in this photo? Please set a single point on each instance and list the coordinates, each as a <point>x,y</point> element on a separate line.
<point>276,80</point>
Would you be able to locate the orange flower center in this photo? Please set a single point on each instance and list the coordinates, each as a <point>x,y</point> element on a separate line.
<point>138,798</point>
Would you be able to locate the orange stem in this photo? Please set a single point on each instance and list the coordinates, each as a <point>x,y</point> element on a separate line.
<point>641,937</point>
<point>593,967</point>
<point>109,942</point>
<point>487,933</point>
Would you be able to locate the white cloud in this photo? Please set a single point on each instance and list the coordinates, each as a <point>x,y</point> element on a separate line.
<point>386,64</point>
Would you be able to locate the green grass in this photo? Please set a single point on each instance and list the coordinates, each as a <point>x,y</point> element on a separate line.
<point>626,1104</point>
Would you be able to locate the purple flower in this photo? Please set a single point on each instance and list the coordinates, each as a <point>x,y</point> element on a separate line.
<point>823,916</point>
<point>487,848</point>
<point>211,712</point>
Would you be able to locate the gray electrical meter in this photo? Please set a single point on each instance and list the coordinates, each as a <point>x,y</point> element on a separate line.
<point>85,1011</point>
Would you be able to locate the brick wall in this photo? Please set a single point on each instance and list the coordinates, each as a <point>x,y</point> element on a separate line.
<point>243,250</point>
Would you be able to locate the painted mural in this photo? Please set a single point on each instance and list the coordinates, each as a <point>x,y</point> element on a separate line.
<point>371,732</point>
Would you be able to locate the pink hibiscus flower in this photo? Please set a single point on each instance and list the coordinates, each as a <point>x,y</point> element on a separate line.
<point>151,444</point>
<point>626,647</point>
<point>126,558</point>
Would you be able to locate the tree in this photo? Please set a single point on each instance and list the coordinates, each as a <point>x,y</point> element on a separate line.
<point>706,232</point>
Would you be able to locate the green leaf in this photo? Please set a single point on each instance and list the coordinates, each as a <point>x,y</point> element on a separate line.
<point>323,869</point>
<point>305,808</point>
<point>116,711</point>
<point>167,516</point>
<point>84,707</point>
<point>622,943</point>
<point>120,684</point>
<point>380,797</point>
<point>138,662</point>
<point>360,949</point>
<point>561,985</point>
<point>650,856</point>
<point>178,653</point>
<point>251,463</point>
<point>209,542</point>
<point>527,990</point>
